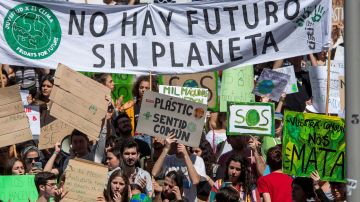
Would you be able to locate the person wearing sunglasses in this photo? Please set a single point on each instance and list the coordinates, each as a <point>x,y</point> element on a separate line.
<point>31,157</point>
<point>46,186</point>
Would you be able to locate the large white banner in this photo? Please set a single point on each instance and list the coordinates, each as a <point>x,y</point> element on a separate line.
<point>161,38</point>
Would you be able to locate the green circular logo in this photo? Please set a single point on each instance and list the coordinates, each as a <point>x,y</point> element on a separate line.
<point>252,117</point>
<point>32,31</point>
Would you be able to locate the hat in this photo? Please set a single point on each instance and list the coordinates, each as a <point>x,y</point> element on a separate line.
<point>29,148</point>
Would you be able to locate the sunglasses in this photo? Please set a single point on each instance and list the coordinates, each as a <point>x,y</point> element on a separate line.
<point>30,160</point>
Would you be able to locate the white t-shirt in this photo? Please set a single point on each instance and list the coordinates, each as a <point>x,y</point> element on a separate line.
<point>219,137</point>
<point>172,163</point>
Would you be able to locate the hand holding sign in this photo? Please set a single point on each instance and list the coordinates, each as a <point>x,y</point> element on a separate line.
<point>181,149</point>
<point>169,140</point>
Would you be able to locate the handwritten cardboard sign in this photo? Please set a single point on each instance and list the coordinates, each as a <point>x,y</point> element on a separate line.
<point>271,84</point>
<point>161,114</point>
<point>78,101</point>
<point>208,80</point>
<point>318,79</point>
<point>314,142</point>
<point>236,86</point>
<point>53,132</point>
<point>255,118</point>
<point>85,180</point>
<point>341,69</point>
<point>18,188</point>
<point>291,87</point>
<point>13,120</point>
<point>123,84</point>
<point>199,95</point>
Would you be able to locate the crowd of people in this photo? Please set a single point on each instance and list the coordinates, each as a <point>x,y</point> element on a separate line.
<point>224,168</point>
<point>144,168</point>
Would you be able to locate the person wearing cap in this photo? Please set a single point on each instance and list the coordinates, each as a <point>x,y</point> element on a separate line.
<point>31,157</point>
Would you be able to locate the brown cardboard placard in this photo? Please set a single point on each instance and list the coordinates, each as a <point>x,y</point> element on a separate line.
<point>82,86</point>
<point>53,132</point>
<point>85,180</point>
<point>9,95</point>
<point>11,108</point>
<point>81,107</point>
<point>14,123</point>
<point>79,101</point>
<point>15,137</point>
<point>77,122</point>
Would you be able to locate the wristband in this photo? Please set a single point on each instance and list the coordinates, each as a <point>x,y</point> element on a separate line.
<point>56,153</point>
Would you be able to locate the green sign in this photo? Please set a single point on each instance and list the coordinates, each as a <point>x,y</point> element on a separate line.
<point>314,142</point>
<point>32,31</point>
<point>236,86</point>
<point>256,118</point>
<point>18,188</point>
<point>123,85</point>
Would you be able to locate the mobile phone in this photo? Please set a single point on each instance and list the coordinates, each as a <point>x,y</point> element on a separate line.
<point>38,165</point>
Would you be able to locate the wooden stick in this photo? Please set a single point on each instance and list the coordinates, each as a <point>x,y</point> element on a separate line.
<point>150,79</point>
<point>14,148</point>
<point>1,79</point>
<point>328,83</point>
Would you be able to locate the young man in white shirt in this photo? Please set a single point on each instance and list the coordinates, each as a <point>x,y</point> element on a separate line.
<point>130,156</point>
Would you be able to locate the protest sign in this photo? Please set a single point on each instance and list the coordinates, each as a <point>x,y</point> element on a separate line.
<point>314,142</point>
<point>33,114</point>
<point>162,114</point>
<point>255,118</point>
<point>292,84</point>
<point>18,188</point>
<point>199,95</point>
<point>145,38</point>
<point>123,84</point>
<point>236,86</point>
<point>207,80</point>
<point>85,180</point>
<point>53,132</point>
<point>318,79</point>
<point>271,84</point>
<point>13,120</point>
<point>338,12</point>
<point>79,101</point>
<point>341,69</point>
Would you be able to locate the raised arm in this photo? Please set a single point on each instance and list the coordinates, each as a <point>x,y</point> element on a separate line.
<point>194,176</point>
<point>160,161</point>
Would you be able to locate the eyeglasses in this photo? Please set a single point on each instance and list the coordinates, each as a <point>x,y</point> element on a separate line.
<point>52,185</point>
<point>30,160</point>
